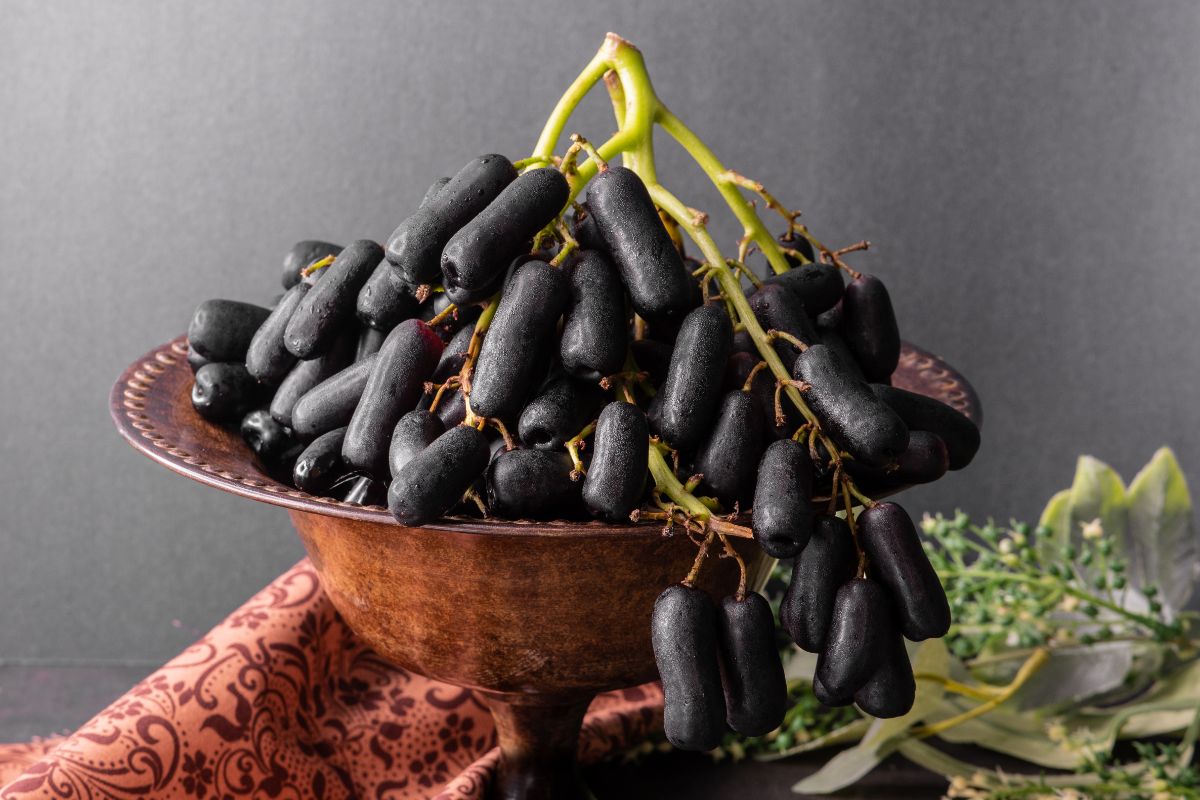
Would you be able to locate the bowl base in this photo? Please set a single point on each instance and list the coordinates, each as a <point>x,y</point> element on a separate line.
<point>539,736</point>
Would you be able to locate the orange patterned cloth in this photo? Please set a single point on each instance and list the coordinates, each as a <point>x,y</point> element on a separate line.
<point>282,700</point>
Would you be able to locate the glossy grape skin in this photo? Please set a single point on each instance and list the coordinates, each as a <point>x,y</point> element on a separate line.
<point>385,300</point>
<point>826,697</point>
<point>891,689</point>
<point>762,389</point>
<point>221,330</point>
<point>369,341</point>
<point>415,247</point>
<point>330,404</point>
<point>363,490</point>
<point>957,432</point>
<point>267,359</point>
<point>783,512</point>
<point>833,339</point>
<point>195,360</point>
<point>308,374</point>
<point>508,359</point>
<point>684,408</point>
<point>532,484</point>
<point>224,392</point>
<point>825,563</point>
<point>616,476</point>
<point>302,255</point>
<point>452,410</point>
<point>857,636</point>
<point>683,632</point>
<point>778,309</point>
<point>898,562</point>
<point>395,384</point>
<point>483,248</point>
<point>925,460</point>
<point>799,244</point>
<point>329,304</point>
<point>728,459</point>
<point>595,334</point>
<point>751,671</point>
<point>415,431</point>
<point>583,228</point>
<point>559,412</point>
<point>651,268</point>
<point>869,325</point>
<point>320,464</point>
<point>434,481</point>
<point>819,286</point>
<point>849,412</point>
<point>271,442</point>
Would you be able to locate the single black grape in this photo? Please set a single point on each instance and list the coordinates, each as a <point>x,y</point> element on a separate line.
<point>271,442</point>
<point>320,465</point>
<point>385,300</point>
<point>415,248</point>
<point>532,484</point>
<point>452,410</point>
<point>826,697</point>
<point>833,339</point>
<point>819,286</point>
<point>325,309</point>
<point>651,268</point>
<point>433,482</point>
<point>891,689</point>
<point>925,460</point>
<point>415,431</point>
<point>484,247</point>
<point>751,671</point>
<point>267,358</point>
<point>783,512</point>
<point>826,562</point>
<point>869,325</point>
<point>728,459</point>
<point>616,477</point>
<point>684,407</point>
<point>225,392</point>
<point>559,412</point>
<point>221,330</point>
<point>508,360</point>
<point>798,243</point>
<point>302,255</point>
<point>395,384</point>
<point>308,374</point>
<point>849,412</point>
<point>857,637</point>
<point>778,309</point>
<point>331,403</point>
<point>364,490</point>
<point>887,535</point>
<point>959,433</point>
<point>595,332</point>
<point>683,632</point>
<point>195,360</point>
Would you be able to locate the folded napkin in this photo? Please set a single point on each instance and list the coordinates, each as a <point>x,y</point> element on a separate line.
<point>282,700</point>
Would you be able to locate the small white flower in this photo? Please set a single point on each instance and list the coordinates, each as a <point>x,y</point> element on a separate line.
<point>1093,529</point>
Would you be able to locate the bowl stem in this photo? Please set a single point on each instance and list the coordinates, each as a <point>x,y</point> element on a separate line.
<point>539,736</point>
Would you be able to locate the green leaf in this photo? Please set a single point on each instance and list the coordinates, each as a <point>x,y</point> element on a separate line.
<point>1010,733</point>
<point>1073,674</point>
<point>1096,493</point>
<point>1163,549</point>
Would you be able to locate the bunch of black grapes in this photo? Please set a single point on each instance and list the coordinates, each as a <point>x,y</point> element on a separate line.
<point>447,372</point>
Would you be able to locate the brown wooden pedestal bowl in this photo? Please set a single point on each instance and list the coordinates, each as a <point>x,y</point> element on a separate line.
<point>536,617</point>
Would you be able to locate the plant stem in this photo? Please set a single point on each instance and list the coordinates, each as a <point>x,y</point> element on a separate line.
<point>1031,665</point>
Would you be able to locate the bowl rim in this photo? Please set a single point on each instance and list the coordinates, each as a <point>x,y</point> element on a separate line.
<point>139,387</point>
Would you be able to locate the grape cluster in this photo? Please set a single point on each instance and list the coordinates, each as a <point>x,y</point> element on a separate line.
<point>514,354</point>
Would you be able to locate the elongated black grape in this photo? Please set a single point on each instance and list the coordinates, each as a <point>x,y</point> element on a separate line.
<point>651,268</point>
<point>364,490</point>
<point>783,512</point>
<point>330,403</point>
<point>528,311</point>
<point>301,255</point>
<point>271,442</point>
<point>485,246</point>
<point>887,535</point>
<point>652,357</point>
<point>452,410</point>
<point>922,413</point>
<point>308,374</point>
<point>369,341</point>
<point>925,460</point>
<point>415,431</point>
<point>798,243</point>
<point>849,412</point>
<point>891,689</point>
<point>560,410</point>
<point>683,632</point>
<point>221,330</point>
<point>595,333</point>
<point>583,228</point>
<point>729,457</point>
<point>224,392</point>
<point>195,360</point>
<point>415,248</point>
<point>751,672</point>
<point>778,309</point>
<point>267,359</point>
<point>825,563</point>
<point>762,389</point>
<point>431,483</point>
<point>616,477</point>
<point>857,636</point>
<point>385,300</point>
<point>743,342</point>
<point>320,465</point>
<point>532,484</point>
<point>826,698</point>
<point>395,384</point>
<point>319,318</point>
<point>869,325</point>
<point>833,339</point>
<point>685,406</point>
<point>819,286</point>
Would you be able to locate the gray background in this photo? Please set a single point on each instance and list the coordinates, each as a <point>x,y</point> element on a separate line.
<point>1029,173</point>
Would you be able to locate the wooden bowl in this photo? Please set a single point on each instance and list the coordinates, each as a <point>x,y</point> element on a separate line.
<point>537,617</point>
